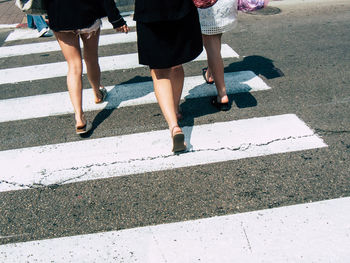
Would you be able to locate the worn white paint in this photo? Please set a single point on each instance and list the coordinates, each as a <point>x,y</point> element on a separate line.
<point>312,232</point>
<point>151,151</point>
<point>50,46</point>
<point>121,96</point>
<point>6,26</point>
<point>59,69</point>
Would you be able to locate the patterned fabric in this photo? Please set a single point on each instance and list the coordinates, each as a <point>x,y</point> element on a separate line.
<point>204,3</point>
<point>251,5</point>
<point>219,18</point>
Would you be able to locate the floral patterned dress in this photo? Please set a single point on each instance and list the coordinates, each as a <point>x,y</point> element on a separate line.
<point>219,18</point>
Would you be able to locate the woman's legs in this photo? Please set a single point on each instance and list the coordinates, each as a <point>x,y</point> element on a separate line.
<point>212,44</point>
<point>168,88</point>
<point>69,43</point>
<point>177,82</point>
<point>91,60</point>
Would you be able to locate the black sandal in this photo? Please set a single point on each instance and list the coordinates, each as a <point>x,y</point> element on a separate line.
<point>104,93</point>
<point>220,106</point>
<point>204,73</point>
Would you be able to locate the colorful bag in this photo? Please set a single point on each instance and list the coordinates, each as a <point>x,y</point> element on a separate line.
<point>33,7</point>
<point>251,5</point>
<point>204,3</point>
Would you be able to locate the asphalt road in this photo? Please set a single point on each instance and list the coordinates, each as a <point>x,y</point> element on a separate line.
<point>302,52</point>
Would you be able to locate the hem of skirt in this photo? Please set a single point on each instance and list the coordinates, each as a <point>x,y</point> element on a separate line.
<point>184,61</point>
<point>218,30</point>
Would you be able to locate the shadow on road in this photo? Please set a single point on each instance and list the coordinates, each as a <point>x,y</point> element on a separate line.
<point>197,107</point>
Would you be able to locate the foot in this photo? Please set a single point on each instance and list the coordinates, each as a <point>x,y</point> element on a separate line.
<point>48,33</point>
<point>208,79</point>
<point>178,136</point>
<point>222,104</point>
<point>45,32</point>
<point>101,95</point>
<point>84,128</point>
<point>223,99</point>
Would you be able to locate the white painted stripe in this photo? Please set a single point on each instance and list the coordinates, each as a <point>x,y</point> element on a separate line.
<point>27,33</point>
<point>121,96</point>
<point>22,34</point>
<point>34,48</point>
<point>59,69</point>
<point>5,26</point>
<point>313,232</point>
<point>151,151</point>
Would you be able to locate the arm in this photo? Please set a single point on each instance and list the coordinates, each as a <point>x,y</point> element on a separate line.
<point>113,14</point>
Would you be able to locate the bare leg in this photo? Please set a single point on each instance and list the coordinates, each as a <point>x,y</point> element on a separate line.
<point>166,94</point>
<point>177,82</point>
<point>91,61</point>
<point>69,43</point>
<point>212,44</point>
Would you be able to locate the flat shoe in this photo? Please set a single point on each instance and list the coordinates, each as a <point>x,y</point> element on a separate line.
<point>220,106</point>
<point>104,95</point>
<point>83,129</point>
<point>178,142</point>
<point>204,73</point>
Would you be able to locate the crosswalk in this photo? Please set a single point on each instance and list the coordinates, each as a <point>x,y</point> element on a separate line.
<point>218,239</point>
<point>215,239</point>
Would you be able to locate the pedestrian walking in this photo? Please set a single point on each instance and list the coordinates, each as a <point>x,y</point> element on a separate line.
<point>216,20</point>
<point>169,35</point>
<point>74,19</point>
<point>37,22</point>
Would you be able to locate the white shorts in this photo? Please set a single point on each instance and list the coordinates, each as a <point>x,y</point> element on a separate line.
<point>90,30</point>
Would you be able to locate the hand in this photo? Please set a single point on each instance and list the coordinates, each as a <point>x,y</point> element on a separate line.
<point>123,28</point>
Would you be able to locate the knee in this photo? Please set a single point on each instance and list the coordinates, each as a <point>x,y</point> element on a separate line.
<point>162,73</point>
<point>75,67</point>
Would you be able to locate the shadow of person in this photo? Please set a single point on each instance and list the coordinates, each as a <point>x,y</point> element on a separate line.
<point>197,100</point>
<point>123,94</point>
<point>258,64</point>
<point>237,88</point>
<point>250,67</point>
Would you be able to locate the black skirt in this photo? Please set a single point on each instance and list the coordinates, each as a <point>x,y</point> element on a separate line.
<point>79,14</point>
<point>169,43</point>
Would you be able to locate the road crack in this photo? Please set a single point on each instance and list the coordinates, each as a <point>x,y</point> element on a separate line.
<point>331,132</point>
<point>87,168</point>
<point>30,186</point>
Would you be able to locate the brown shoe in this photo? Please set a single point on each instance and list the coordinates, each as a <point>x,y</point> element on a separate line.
<point>179,144</point>
<point>83,129</point>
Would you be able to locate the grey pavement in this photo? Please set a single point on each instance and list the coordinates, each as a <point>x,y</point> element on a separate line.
<point>301,52</point>
<point>9,13</point>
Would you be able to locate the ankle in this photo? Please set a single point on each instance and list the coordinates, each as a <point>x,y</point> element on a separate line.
<point>80,120</point>
<point>222,99</point>
<point>175,130</point>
